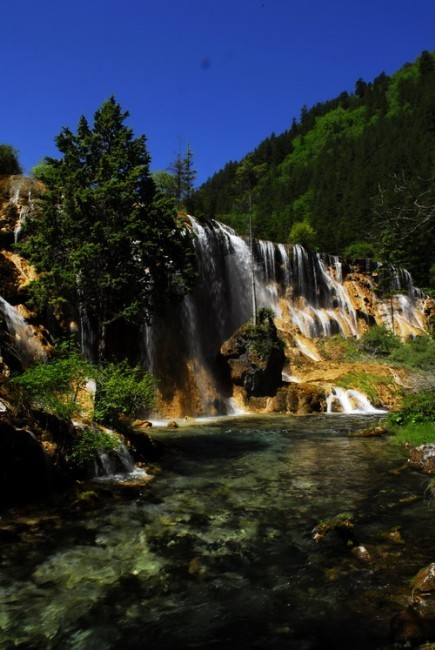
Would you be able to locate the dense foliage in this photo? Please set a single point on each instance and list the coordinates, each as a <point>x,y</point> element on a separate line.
<point>104,239</point>
<point>9,163</point>
<point>59,386</point>
<point>358,169</point>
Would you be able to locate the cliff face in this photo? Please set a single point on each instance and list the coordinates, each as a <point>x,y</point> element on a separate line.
<point>22,338</point>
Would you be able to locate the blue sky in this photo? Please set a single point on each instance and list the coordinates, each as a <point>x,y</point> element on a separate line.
<point>220,75</point>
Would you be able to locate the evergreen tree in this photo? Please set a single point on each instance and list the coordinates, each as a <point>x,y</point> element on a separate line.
<point>184,174</point>
<point>105,240</point>
<point>9,163</point>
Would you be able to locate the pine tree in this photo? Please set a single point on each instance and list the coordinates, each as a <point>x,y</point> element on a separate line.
<point>184,174</point>
<point>106,241</point>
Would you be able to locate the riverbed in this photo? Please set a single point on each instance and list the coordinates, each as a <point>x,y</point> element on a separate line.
<point>217,551</point>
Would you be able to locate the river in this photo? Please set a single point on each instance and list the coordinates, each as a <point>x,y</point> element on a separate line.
<point>217,551</point>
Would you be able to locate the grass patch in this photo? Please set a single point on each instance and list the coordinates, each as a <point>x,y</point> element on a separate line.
<point>415,422</point>
<point>415,434</point>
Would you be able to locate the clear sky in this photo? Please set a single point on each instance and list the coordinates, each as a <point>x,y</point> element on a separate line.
<point>220,75</point>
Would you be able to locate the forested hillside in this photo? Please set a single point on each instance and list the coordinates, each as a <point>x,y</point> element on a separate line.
<point>355,175</point>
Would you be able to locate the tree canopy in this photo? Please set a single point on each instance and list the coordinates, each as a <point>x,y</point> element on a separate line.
<point>104,239</point>
<point>9,163</point>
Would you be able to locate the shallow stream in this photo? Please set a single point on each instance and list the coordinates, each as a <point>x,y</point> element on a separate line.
<point>218,552</point>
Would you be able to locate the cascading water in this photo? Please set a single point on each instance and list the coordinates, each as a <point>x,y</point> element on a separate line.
<point>22,339</point>
<point>311,292</point>
<point>349,401</point>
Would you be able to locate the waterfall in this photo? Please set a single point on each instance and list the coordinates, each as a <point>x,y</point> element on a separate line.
<point>316,295</point>
<point>23,339</point>
<point>116,463</point>
<point>349,401</point>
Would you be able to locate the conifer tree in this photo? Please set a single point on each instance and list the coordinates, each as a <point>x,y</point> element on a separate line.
<point>105,240</point>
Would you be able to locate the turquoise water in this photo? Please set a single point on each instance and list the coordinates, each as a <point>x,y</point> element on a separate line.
<point>218,552</point>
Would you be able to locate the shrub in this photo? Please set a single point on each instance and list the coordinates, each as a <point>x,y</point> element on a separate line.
<point>360,251</point>
<point>262,339</point>
<point>302,233</point>
<point>417,353</point>
<point>54,385</point>
<point>418,407</point>
<point>122,391</point>
<point>91,442</point>
<point>379,341</point>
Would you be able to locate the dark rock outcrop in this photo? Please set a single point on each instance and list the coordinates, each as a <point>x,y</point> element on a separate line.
<point>24,468</point>
<point>255,356</point>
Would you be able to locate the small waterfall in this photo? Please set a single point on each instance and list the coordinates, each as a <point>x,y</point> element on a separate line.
<point>22,339</point>
<point>343,400</point>
<point>114,463</point>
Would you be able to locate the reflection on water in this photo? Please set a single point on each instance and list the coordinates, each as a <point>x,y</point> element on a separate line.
<point>217,551</point>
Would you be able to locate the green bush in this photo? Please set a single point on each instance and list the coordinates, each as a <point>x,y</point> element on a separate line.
<point>302,233</point>
<point>416,354</point>
<point>122,391</point>
<point>262,338</point>
<point>90,442</point>
<point>379,341</point>
<point>360,251</point>
<point>415,422</point>
<point>417,407</point>
<point>55,385</point>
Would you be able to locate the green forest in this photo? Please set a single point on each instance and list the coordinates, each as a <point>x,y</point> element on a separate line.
<point>354,176</point>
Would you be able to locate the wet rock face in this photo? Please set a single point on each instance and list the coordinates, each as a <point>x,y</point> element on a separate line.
<point>423,458</point>
<point>255,357</point>
<point>24,469</point>
<point>299,398</point>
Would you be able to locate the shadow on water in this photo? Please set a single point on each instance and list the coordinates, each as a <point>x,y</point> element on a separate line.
<point>218,550</point>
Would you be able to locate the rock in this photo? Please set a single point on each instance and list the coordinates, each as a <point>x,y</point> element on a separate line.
<point>298,398</point>
<point>24,468</point>
<point>255,357</point>
<point>362,554</point>
<point>142,424</point>
<point>172,425</point>
<point>424,580</point>
<point>371,432</point>
<point>343,525</point>
<point>422,458</point>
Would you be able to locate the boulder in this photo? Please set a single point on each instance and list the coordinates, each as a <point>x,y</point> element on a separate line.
<point>255,357</point>
<point>25,473</point>
<point>422,458</point>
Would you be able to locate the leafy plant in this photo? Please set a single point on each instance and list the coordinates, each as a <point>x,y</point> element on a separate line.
<point>122,391</point>
<point>415,422</point>
<point>92,441</point>
<point>379,341</point>
<point>417,353</point>
<point>55,385</point>
<point>262,338</point>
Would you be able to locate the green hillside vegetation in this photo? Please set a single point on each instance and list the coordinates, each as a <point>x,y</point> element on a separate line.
<point>358,169</point>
